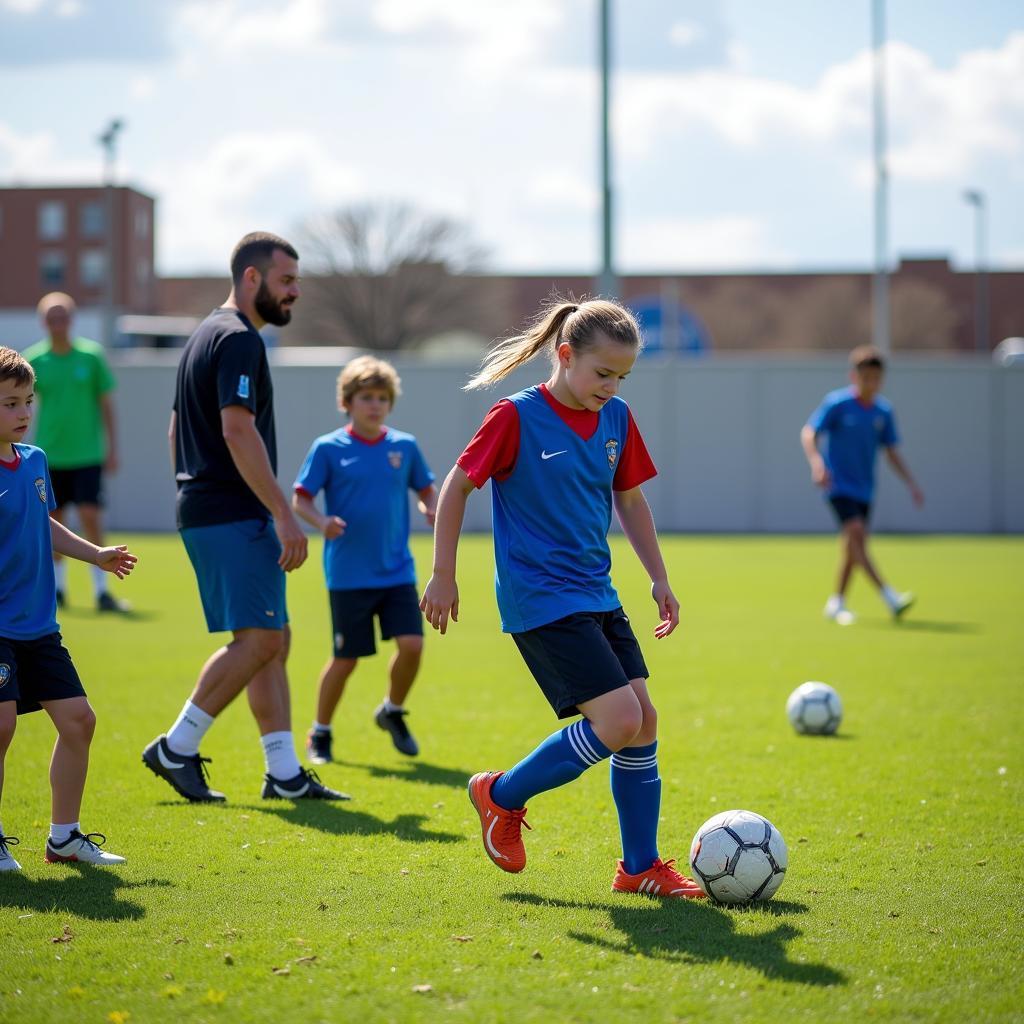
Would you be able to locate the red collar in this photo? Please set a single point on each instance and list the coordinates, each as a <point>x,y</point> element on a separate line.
<point>13,464</point>
<point>359,437</point>
<point>583,422</point>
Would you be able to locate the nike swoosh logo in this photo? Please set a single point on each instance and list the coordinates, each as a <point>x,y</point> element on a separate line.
<point>348,462</point>
<point>490,845</point>
<point>2,493</point>
<point>551,455</point>
<point>291,794</point>
<point>163,760</point>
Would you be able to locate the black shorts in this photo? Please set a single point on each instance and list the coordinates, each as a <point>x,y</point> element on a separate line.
<point>581,657</point>
<point>850,508</point>
<point>82,486</point>
<point>353,611</point>
<point>36,670</point>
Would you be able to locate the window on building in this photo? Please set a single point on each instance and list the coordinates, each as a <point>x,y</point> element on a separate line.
<point>142,223</point>
<point>52,220</point>
<point>52,268</point>
<point>92,220</point>
<point>92,268</point>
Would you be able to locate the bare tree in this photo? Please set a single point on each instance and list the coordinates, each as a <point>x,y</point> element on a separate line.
<point>390,276</point>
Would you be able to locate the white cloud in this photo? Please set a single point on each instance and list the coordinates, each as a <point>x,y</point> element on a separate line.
<point>238,27</point>
<point>39,156</point>
<point>685,33</point>
<point>728,242</point>
<point>69,8</point>
<point>21,6</point>
<point>562,189</point>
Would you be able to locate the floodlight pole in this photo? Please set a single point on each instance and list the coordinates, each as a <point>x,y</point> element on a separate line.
<point>108,140</point>
<point>606,282</point>
<point>977,199</point>
<point>881,328</point>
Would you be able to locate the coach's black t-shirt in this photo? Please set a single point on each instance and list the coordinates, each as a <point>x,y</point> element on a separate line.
<point>223,363</point>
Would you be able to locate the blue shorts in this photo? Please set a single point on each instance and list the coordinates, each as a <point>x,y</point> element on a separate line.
<point>240,583</point>
<point>37,670</point>
<point>353,611</point>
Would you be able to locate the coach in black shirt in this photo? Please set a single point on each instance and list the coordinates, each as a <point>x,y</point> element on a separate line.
<point>237,526</point>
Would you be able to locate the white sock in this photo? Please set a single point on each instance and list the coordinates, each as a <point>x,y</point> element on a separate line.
<point>388,706</point>
<point>320,727</point>
<point>62,833</point>
<point>188,731</point>
<point>279,751</point>
<point>99,580</point>
<point>60,572</point>
<point>892,599</point>
<point>837,601</point>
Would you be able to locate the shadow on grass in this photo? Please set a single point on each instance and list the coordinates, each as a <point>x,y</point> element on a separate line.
<point>690,931</point>
<point>91,893</point>
<point>923,625</point>
<point>338,819</point>
<point>414,771</point>
<point>131,615</point>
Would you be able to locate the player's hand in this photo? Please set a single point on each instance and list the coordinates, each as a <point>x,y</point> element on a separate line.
<point>111,465</point>
<point>427,513</point>
<point>294,546</point>
<point>333,527</point>
<point>440,600</point>
<point>668,608</point>
<point>916,495</point>
<point>117,560</point>
<point>820,474</point>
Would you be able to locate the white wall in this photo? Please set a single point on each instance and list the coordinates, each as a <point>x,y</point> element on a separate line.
<point>723,432</point>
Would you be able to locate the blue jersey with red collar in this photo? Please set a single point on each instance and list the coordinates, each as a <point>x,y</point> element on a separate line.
<point>367,484</point>
<point>551,515</point>
<point>28,592</point>
<point>855,433</point>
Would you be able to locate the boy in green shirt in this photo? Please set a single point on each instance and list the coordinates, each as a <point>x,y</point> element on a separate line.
<point>75,428</point>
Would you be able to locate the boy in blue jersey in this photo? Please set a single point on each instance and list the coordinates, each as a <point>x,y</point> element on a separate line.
<point>559,457</point>
<point>366,471</point>
<point>36,671</point>
<point>857,421</point>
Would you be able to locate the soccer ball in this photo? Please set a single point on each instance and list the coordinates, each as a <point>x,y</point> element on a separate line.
<point>815,708</point>
<point>738,856</point>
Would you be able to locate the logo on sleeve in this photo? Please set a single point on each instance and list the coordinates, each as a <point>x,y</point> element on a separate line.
<point>395,458</point>
<point>5,674</point>
<point>41,489</point>
<point>612,450</point>
<point>243,386</point>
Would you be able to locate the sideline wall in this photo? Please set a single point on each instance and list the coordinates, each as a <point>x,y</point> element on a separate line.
<point>723,432</point>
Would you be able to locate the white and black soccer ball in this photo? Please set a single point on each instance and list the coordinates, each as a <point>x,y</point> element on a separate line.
<point>738,856</point>
<point>815,709</point>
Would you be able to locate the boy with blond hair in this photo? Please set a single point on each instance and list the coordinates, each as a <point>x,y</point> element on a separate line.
<point>366,470</point>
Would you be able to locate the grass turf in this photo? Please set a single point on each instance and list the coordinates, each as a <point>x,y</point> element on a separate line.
<point>903,898</point>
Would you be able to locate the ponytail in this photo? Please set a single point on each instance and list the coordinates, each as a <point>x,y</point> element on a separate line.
<point>511,353</point>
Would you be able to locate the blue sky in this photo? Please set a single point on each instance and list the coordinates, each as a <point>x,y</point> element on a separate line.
<point>742,129</point>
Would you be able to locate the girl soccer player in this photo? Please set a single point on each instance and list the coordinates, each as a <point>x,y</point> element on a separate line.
<point>560,455</point>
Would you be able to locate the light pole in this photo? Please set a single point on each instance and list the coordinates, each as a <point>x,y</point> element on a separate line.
<point>976,199</point>
<point>881,332</point>
<point>108,140</point>
<point>606,283</point>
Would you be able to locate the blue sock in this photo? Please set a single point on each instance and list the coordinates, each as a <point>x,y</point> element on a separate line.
<point>636,788</point>
<point>565,755</point>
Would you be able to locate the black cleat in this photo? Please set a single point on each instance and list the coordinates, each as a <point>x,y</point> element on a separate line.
<point>305,786</point>
<point>108,603</point>
<point>318,747</point>
<point>62,601</point>
<point>394,722</point>
<point>186,774</point>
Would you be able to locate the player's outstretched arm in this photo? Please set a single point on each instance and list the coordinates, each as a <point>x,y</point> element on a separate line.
<point>117,560</point>
<point>902,470</point>
<point>638,525</point>
<point>441,595</point>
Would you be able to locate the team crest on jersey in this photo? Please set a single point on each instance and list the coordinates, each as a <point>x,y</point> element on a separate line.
<point>41,489</point>
<point>612,449</point>
<point>395,458</point>
<point>5,674</point>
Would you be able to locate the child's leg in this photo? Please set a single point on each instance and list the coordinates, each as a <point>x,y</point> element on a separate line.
<point>846,565</point>
<point>332,685</point>
<point>636,788</point>
<point>404,665</point>
<point>8,723</point>
<point>855,532</point>
<point>75,723</point>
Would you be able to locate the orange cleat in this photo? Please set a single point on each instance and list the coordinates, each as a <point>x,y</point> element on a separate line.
<point>660,879</point>
<point>501,828</point>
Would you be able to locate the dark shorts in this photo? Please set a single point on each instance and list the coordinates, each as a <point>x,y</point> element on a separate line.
<point>240,583</point>
<point>36,670</point>
<point>850,508</point>
<point>82,486</point>
<point>353,611</point>
<point>581,657</point>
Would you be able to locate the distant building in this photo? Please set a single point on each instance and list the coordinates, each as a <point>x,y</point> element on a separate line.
<point>55,239</point>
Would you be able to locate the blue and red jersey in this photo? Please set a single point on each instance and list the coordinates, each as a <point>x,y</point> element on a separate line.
<point>553,470</point>
<point>367,484</point>
<point>28,591</point>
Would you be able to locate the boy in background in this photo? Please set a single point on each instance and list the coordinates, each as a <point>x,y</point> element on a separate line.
<point>857,421</point>
<point>366,470</point>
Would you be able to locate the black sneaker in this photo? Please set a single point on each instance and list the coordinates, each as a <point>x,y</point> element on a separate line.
<point>106,602</point>
<point>318,747</point>
<point>62,601</point>
<point>394,723</point>
<point>186,774</point>
<point>305,786</point>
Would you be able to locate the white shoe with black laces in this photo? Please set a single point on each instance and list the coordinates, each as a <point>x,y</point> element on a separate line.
<point>81,849</point>
<point>7,862</point>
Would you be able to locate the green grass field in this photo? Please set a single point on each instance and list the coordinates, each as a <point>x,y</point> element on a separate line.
<point>905,890</point>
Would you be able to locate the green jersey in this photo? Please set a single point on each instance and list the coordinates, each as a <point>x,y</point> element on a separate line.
<point>70,386</point>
